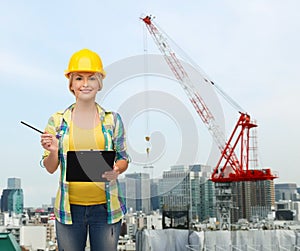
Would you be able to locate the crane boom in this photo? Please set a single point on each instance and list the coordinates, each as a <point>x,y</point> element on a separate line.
<point>229,168</point>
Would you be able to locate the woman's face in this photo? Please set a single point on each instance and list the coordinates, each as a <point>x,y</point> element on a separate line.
<point>84,85</point>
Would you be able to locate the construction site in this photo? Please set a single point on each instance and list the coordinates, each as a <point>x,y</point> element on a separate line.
<point>236,211</point>
<point>239,182</point>
<point>244,192</point>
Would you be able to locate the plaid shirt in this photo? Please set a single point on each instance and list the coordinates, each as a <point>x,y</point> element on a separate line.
<point>114,136</point>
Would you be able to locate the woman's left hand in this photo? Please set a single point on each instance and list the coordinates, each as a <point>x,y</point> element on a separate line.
<point>112,175</point>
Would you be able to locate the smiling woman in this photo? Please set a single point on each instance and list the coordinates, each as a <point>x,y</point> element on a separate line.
<point>85,83</point>
<point>86,207</point>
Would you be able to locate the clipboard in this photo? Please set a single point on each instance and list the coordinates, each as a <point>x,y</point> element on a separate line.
<point>88,166</point>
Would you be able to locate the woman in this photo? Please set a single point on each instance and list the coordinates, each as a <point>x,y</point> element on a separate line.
<point>86,208</point>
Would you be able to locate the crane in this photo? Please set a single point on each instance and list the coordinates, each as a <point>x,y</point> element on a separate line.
<point>230,167</point>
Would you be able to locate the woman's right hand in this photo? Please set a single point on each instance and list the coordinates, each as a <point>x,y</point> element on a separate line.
<point>49,142</point>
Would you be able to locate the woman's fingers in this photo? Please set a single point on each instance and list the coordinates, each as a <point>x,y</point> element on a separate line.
<point>110,175</point>
<point>48,140</point>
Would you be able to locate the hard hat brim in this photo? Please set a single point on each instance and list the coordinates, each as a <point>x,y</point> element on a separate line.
<point>67,73</point>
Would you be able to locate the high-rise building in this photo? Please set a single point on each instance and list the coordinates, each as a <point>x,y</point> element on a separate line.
<point>53,201</point>
<point>12,199</point>
<point>286,191</point>
<point>137,192</point>
<point>13,183</point>
<point>155,195</point>
<point>207,199</point>
<point>189,188</point>
<point>252,199</point>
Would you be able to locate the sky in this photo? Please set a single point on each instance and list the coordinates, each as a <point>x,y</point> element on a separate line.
<point>249,48</point>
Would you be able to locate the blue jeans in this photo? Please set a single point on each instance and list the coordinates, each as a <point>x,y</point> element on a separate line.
<point>92,220</point>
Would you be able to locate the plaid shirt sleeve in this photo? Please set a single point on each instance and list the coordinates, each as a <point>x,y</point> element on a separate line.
<point>119,138</point>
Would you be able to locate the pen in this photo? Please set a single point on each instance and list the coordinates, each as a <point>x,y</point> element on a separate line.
<point>32,127</point>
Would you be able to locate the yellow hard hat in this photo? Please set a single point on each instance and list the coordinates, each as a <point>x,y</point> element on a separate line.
<point>85,60</point>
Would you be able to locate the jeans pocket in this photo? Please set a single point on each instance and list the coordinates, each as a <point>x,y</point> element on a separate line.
<point>105,206</point>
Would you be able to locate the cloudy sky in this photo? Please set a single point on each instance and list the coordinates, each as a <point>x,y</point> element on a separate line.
<point>249,48</point>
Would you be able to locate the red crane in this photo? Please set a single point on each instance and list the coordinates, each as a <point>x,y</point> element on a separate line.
<point>229,168</point>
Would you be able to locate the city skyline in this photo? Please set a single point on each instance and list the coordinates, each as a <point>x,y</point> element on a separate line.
<point>50,200</point>
<point>249,49</point>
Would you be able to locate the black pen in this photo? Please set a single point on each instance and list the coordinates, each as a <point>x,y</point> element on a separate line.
<point>32,127</point>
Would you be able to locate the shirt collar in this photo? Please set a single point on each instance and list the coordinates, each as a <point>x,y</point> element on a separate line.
<point>67,114</point>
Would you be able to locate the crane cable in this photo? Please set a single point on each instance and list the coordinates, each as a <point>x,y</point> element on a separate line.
<point>189,60</point>
<point>146,87</point>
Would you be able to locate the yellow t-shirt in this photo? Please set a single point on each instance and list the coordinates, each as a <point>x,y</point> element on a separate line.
<point>86,193</point>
